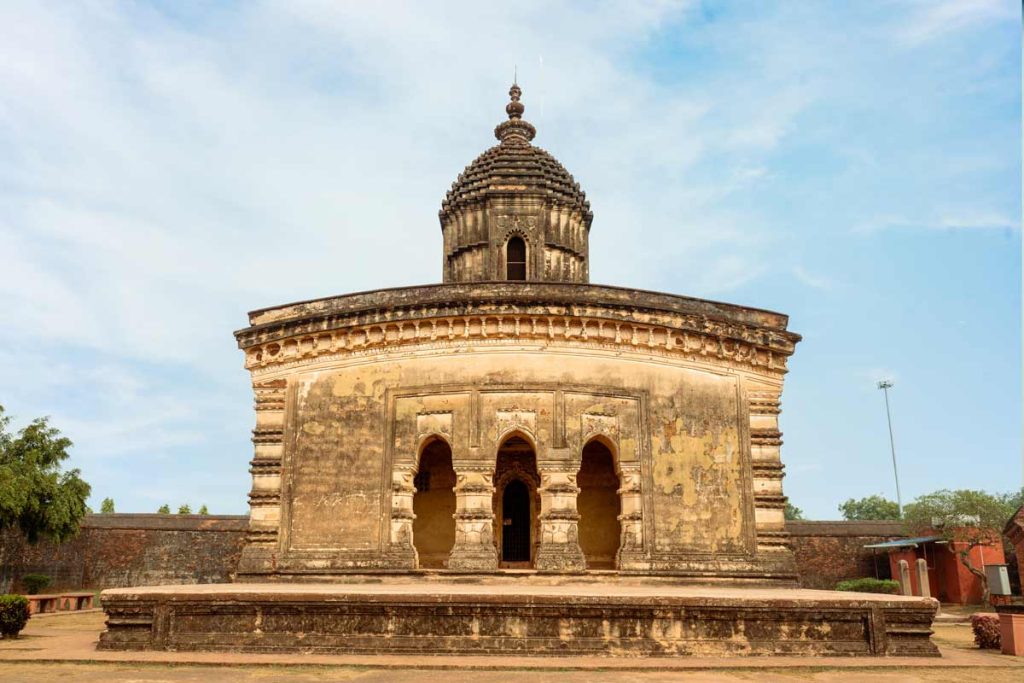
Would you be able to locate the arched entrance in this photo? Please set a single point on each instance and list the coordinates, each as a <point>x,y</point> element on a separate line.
<point>515,532</point>
<point>598,505</point>
<point>516,503</point>
<point>433,530</point>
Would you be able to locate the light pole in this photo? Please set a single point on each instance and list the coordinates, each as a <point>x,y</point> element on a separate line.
<point>885,385</point>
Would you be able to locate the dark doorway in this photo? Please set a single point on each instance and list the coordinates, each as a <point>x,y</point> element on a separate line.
<point>515,523</point>
<point>599,507</point>
<point>516,503</point>
<point>515,259</point>
<point>433,530</point>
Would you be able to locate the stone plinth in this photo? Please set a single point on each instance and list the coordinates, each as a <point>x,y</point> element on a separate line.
<point>610,619</point>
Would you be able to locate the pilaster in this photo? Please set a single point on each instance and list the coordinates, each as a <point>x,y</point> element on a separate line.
<point>265,468</point>
<point>474,548</point>
<point>559,549</point>
<point>631,518</point>
<point>401,551</point>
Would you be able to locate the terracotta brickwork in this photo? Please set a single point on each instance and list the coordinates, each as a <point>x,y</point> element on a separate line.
<point>123,550</point>
<point>132,550</point>
<point>830,552</point>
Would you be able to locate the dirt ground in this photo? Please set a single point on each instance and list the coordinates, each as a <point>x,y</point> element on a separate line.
<point>56,641</point>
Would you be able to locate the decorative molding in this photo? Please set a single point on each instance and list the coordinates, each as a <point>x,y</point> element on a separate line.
<point>433,422</point>
<point>692,337</point>
<point>515,419</point>
<point>599,424</point>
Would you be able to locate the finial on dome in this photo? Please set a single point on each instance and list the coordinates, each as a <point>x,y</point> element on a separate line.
<point>515,127</point>
<point>515,108</point>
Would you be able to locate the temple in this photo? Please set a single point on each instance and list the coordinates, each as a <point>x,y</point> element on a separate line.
<point>517,416</point>
<point>579,453</point>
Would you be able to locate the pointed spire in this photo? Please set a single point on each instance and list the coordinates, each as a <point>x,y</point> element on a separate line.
<point>515,129</point>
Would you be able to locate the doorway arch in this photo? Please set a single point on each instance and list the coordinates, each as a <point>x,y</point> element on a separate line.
<point>516,503</point>
<point>433,503</point>
<point>598,505</point>
<point>515,259</point>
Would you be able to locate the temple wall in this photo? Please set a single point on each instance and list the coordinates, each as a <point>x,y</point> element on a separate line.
<point>350,426</point>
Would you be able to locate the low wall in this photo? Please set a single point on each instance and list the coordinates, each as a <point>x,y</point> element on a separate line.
<point>829,552</point>
<point>150,549</point>
<point>132,550</point>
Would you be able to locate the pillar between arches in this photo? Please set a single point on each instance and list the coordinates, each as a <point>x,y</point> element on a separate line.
<point>631,519</point>
<point>474,548</point>
<point>401,550</point>
<point>559,549</point>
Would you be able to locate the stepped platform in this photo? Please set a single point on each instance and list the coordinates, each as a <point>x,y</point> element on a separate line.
<point>482,618</point>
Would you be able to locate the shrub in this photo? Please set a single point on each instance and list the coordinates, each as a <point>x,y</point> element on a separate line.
<point>870,586</point>
<point>35,582</point>
<point>13,615</point>
<point>986,630</point>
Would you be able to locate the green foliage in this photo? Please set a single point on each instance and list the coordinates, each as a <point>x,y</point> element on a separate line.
<point>966,517</point>
<point>869,507</point>
<point>986,631</point>
<point>185,510</point>
<point>203,510</point>
<point>1012,500</point>
<point>35,582</point>
<point>870,586</point>
<point>107,506</point>
<point>164,509</point>
<point>13,615</point>
<point>793,512</point>
<point>35,495</point>
<point>963,515</point>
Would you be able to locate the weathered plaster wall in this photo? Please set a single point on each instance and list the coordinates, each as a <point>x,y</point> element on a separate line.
<point>683,427</point>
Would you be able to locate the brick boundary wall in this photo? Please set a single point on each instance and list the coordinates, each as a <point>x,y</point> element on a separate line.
<point>830,552</point>
<point>151,549</point>
<point>131,550</point>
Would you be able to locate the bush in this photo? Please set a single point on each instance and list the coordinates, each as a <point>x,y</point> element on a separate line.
<point>986,630</point>
<point>870,586</point>
<point>13,615</point>
<point>35,583</point>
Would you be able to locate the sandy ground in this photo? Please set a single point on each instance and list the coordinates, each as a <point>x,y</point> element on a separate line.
<point>62,648</point>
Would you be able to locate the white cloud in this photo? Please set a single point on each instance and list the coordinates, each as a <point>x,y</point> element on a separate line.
<point>967,220</point>
<point>813,281</point>
<point>934,19</point>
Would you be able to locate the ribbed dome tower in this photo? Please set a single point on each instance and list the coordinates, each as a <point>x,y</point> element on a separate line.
<point>515,213</point>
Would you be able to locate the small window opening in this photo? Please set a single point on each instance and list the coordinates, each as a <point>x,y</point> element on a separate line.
<point>515,259</point>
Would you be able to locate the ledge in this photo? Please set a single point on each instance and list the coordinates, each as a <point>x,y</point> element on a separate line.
<point>529,292</point>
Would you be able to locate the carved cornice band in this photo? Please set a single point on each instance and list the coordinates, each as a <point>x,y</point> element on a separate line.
<point>744,346</point>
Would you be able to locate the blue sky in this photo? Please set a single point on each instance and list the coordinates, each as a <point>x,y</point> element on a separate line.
<point>855,165</point>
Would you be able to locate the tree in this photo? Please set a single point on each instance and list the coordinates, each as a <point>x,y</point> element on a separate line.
<point>964,518</point>
<point>203,510</point>
<point>870,507</point>
<point>36,496</point>
<point>793,512</point>
<point>164,509</point>
<point>185,510</point>
<point>107,506</point>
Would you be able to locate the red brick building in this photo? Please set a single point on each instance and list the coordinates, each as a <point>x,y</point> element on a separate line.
<point>948,579</point>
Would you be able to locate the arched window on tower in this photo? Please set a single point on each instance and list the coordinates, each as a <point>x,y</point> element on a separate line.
<point>515,259</point>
